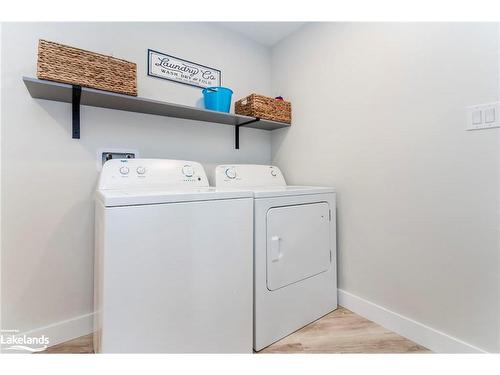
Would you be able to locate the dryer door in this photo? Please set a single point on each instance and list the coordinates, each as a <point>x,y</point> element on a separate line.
<point>298,243</point>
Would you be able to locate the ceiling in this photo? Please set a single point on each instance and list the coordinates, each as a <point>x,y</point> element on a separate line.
<point>266,33</point>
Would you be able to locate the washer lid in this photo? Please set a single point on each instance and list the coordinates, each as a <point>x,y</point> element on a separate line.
<point>279,191</point>
<point>134,197</point>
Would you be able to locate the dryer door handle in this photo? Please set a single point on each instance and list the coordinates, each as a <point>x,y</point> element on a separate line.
<point>276,254</point>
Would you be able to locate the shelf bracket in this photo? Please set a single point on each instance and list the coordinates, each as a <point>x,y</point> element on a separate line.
<point>75,103</point>
<point>237,132</point>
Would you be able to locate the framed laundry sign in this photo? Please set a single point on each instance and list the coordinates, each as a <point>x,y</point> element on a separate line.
<point>172,68</point>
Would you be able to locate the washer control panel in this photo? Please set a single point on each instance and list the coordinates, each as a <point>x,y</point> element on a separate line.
<point>246,175</point>
<point>127,173</point>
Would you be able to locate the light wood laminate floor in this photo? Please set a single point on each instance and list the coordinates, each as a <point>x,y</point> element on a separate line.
<point>341,331</point>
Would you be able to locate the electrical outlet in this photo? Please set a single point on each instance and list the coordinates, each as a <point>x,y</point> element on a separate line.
<point>483,116</point>
<point>104,155</point>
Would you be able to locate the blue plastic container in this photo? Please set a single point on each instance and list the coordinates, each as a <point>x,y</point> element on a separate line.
<point>217,98</point>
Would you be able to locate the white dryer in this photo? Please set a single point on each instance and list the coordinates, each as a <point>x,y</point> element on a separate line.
<point>173,270</point>
<point>295,277</point>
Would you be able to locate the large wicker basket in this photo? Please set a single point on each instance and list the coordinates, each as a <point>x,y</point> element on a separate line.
<point>57,62</point>
<point>265,108</point>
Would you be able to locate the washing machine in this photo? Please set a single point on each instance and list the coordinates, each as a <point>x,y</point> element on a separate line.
<point>295,277</point>
<point>173,261</point>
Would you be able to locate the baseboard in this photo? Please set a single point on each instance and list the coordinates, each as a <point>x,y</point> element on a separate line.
<point>65,330</point>
<point>431,338</point>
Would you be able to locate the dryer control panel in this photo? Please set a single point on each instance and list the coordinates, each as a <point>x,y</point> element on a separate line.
<point>248,175</point>
<point>146,173</point>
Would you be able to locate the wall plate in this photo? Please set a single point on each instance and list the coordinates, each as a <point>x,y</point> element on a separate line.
<point>483,116</point>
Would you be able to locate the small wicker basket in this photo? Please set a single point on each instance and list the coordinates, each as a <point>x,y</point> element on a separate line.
<point>61,63</point>
<point>265,108</point>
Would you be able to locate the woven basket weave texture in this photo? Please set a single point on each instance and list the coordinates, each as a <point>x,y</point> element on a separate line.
<point>265,108</point>
<point>61,63</point>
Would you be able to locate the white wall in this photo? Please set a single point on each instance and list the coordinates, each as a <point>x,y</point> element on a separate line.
<point>0,182</point>
<point>378,112</point>
<point>49,179</point>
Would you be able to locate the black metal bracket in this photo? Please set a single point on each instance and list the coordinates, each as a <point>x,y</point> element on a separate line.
<point>75,102</point>
<point>237,132</point>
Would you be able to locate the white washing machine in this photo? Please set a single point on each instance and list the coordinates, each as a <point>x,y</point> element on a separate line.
<point>295,277</point>
<point>173,270</point>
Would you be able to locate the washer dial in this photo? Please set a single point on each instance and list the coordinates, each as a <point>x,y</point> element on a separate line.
<point>188,171</point>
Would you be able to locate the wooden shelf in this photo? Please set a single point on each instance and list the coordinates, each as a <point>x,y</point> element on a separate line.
<point>61,92</point>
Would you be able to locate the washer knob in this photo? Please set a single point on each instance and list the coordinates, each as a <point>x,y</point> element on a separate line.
<point>124,170</point>
<point>230,173</point>
<point>141,170</point>
<point>274,173</point>
<point>187,171</point>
